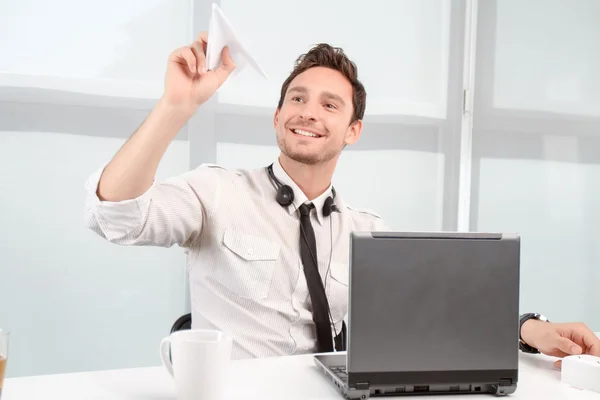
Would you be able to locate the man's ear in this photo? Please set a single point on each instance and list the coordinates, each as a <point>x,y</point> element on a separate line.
<point>353,132</point>
<point>276,117</point>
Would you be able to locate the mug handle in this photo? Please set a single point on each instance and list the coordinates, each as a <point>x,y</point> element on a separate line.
<point>165,356</point>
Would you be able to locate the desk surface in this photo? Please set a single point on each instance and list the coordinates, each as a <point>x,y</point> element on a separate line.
<point>288,378</point>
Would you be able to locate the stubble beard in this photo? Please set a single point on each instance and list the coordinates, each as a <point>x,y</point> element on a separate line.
<point>304,158</point>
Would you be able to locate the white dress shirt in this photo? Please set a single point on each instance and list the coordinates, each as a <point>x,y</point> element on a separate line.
<point>243,251</point>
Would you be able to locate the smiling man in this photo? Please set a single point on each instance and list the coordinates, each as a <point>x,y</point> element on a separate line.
<point>267,248</point>
<point>314,107</point>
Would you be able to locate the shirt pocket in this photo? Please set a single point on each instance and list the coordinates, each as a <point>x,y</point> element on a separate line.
<point>249,264</point>
<point>338,290</point>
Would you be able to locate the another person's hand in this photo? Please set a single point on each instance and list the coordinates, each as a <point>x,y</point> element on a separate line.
<point>560,339</point>
<point>188,83</point>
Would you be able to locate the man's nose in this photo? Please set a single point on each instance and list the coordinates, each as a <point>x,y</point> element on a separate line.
<point>308,113</point>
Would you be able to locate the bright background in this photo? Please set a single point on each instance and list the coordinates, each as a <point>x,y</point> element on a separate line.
<point>78,77</point>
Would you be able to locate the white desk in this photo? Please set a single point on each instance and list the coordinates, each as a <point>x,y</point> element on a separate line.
<point>286,378</point>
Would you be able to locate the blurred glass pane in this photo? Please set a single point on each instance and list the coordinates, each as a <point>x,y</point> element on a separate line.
<point>72,301</point>
<point>401,49</point>
<point>123,40</point>
<point>547,56</point>
<point>536,165</point>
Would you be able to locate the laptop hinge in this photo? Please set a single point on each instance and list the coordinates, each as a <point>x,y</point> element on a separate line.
<point>362,386</point>
<point>505,381</point>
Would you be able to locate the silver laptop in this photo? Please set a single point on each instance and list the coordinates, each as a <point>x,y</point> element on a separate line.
<point>429,313</point>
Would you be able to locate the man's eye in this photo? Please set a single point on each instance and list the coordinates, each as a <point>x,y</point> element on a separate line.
<point>296,98</point>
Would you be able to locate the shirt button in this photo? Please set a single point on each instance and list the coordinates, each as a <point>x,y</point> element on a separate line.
<point>250,251</point>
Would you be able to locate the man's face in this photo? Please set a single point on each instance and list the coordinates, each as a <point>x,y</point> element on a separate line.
<point>313,124</point>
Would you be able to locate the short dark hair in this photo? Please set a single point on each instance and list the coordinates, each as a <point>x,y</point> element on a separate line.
<point>325,55</point>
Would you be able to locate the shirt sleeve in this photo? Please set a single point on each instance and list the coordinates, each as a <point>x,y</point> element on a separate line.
<point>169,212</point>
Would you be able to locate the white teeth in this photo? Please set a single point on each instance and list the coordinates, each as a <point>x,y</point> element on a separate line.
<point>304,133</point>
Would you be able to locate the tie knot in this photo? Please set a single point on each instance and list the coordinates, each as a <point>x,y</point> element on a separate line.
<point>305,209</point>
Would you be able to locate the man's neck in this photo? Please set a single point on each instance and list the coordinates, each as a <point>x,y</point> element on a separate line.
<point>313,180</point>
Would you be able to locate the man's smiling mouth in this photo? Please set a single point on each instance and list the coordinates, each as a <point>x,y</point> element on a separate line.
<point>305,133</point>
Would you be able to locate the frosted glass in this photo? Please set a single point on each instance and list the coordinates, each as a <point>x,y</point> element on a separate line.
<point>404,187</point>
<point>537,160</point>
<point>124,40</point>
<point>553,206</point>
<point>73,301</point>
<point>540,46</point>
<point>403,43</point>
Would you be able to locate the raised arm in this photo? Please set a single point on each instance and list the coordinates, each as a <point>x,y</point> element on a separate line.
<point>187,85</point>
<point>123,203</point>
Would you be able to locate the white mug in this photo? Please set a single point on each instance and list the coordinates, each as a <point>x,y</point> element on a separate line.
<point>198,361</point>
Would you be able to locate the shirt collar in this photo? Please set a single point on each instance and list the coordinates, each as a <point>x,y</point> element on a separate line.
<point>299,196</point>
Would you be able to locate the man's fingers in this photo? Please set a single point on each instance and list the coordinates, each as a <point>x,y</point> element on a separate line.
<point>558,364</point>
<point>227,66</point>
<point>594,349</point>
<point>582,335</point>
<point>567,346</point>
<point>184,56</point>
<point>590,341</point>
<point>203,37</point>
<point>200,57</point>
<point>227,60</point>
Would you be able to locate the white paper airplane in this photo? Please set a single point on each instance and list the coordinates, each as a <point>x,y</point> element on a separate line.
<point>221,34</point>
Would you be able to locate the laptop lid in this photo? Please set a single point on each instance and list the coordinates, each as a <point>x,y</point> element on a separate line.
<point>433,308</point>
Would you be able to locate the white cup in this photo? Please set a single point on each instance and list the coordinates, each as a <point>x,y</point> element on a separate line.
<point>198,362</point>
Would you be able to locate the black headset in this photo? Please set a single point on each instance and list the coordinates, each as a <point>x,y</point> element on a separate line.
<point>285,197</point>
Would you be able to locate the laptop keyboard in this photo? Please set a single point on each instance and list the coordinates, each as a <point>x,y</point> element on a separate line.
<point>340,371</point>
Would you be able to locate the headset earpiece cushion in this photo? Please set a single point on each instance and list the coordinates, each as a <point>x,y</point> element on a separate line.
<point>285,196</point>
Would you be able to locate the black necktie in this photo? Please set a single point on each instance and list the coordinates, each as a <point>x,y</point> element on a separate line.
<point>308,253</point>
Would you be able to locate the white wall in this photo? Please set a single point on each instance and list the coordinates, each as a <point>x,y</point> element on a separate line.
<point>72,301</point>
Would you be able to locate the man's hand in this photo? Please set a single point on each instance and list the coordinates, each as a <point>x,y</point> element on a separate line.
<point>560,340</point>
<point>188,83</point>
